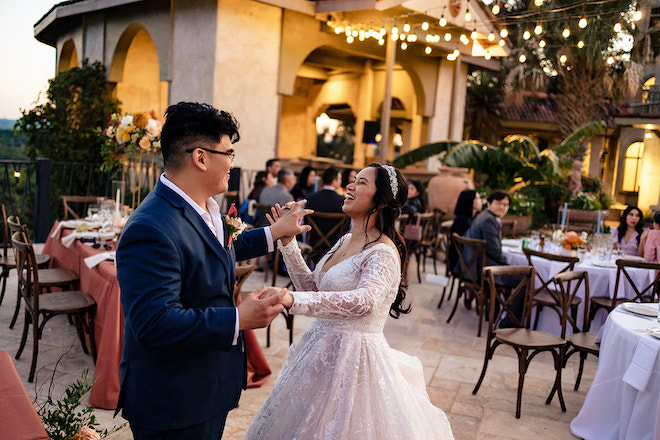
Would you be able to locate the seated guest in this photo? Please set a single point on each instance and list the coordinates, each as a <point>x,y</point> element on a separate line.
<point>651,241</point>
<point>467,206</point>
<point>626,236</point>
<point>306,183</point>
<point>487,226</point>
<point>326,200</point>
<point>416,201</point>
<point>258,185</point>
<point>273,167</point>
<point>280,193</point>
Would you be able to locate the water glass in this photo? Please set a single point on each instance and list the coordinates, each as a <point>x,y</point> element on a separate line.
<point>581,251</point>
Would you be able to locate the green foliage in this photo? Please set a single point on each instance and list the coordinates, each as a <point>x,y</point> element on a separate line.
<point>586,201</point>
<point>12,146</point>
<point>521,205</point>
<point>63,418</point>
<point>423,153</point>
<point>66,126</point>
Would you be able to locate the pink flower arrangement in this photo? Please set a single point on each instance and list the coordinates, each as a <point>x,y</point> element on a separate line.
<point>86,433</point>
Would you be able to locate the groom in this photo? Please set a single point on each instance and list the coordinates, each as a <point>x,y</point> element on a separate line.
<point>184,361</point>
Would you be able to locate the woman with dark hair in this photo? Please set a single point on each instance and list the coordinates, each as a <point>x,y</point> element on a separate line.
<point>416,201</point>
<point>347,176</point>
<point>305,185</point>
<point>341,379</point>
<point>626,236</point>
<point>469,203</point>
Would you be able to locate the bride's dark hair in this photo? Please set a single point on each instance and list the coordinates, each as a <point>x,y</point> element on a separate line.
<point>387,209</point>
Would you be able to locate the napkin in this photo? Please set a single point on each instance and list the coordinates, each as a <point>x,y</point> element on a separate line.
<point>639,371</point>
<point>94,260</point>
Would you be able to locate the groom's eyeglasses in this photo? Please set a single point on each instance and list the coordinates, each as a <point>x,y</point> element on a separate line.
<point>231,154</point>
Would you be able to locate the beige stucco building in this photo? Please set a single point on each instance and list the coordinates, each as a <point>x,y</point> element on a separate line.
<point>278,65</point>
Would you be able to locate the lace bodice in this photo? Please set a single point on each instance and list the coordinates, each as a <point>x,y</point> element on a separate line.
<point>356,293</point>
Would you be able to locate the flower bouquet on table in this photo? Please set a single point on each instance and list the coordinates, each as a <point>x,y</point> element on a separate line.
<point>130,136</point>
<point>572,240</point>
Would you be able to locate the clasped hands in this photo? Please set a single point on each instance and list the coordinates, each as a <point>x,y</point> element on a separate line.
<point>260,307</point>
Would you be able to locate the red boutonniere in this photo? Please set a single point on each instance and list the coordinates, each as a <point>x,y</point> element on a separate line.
<point>235,225</point>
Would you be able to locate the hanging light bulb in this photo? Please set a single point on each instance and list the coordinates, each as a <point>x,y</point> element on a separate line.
<point>350,39</point>
<point>566,32</point>
<point>474,35</point>
<point>563,59</point>
<point>381,42</point>
<point>496,9</point>
<point>354,33</point>
<point>404,46</point>
<point>501,43</point>
<point>542,43</point>
<point>443,21</point>
<point>582,23</point>
<point>406,27</point>
<point>394,37</point>
<point>538,29</point>
<point>464,39</point>
<point>491,37</point>
<point>522,58</point>
<point>456,53</point>
<point>395,30</point>
<point>468,16</point>
<point>339,30</point>
<point>504,33</point>
<point>617,27</point>
<point>526,35</point>
<point>428,50</point>
<point>637,15</point>
<point>610,60</point>
<point>402,37</point>
<point>447,36</point>
<point>580,44</point>
<point>538,3</point>
<point>451,57</point>
<point>425,26</point>
<point>487,55</point>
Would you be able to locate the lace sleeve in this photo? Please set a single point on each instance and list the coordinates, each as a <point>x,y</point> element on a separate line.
<point>299,272</point>
<point>379,272</point>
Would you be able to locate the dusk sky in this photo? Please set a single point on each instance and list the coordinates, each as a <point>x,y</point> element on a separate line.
<point>27,64</point>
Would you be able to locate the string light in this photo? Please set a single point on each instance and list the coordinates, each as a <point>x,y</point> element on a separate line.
<point>610,60</point>
<point>496,9</point>
<point>637,15</point>
<point>428,50</point>
<point>425,26</point>
<point>501,43</point>
<point>522,58</point>
<point>404,46</point>
<point>406,27</point>
<point>443,21</point>
<point>526,35</point>
<point>582,23</point>
<point>580,44</point>
<point>542,43</point>
<point>468,16</point>
<point>617,27</point>
<point>350,39</point>
<point>447,36</point>
<point>563,59</point>
<point>491,37</point>
<point>538,29</point>
<point>538,3</point>
<point>504,33</point>
<point>487,55</point>
<point>566,32</point>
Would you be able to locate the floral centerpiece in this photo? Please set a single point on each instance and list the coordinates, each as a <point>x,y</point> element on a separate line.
<point>572,240</point>
<point>130,135</point>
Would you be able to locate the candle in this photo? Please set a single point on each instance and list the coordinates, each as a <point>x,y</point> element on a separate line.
<point>563,215</point>
<point>117,204</point>
<point>598,224</point>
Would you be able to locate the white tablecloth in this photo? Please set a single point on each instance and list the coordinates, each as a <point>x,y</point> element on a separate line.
<point>601,283</point>
<point>623,402</point>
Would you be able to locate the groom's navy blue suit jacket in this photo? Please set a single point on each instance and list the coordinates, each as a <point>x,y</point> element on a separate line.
<point>179,366</point>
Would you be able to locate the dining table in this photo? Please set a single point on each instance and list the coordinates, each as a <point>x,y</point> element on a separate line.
<point>602,281</point>
<point>98,277</point>
<point>623,402</point>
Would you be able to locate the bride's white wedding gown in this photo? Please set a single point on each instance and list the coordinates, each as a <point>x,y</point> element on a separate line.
<point>341,380</point>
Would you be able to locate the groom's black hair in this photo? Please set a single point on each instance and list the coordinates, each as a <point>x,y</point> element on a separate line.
<point>190,123</point>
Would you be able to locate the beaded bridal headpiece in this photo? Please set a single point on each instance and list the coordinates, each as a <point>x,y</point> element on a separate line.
<point>391,172</point>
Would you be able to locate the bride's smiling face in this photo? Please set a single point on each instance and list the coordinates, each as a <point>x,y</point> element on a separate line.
<point>360,194</point>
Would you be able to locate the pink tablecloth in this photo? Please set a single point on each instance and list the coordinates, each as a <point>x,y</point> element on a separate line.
<point>101,282</point>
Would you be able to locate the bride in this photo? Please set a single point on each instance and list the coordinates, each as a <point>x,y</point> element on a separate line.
<point>341,380</point>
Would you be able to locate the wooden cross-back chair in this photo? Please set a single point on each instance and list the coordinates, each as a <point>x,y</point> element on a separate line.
<point>580,341</point>
<point>55,277</point>
<point>471,263</point>
<point>526,343</point>
<point>8,258</point>
<point>71,202</point>
<point>644,293</point>
<point>546,295</point>
<point>446,244</point>
<point>40,308</point>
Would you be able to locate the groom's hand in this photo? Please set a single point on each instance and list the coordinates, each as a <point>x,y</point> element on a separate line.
<point>257,311</point>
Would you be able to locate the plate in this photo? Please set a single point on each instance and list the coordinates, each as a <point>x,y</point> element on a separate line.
<point>516,250</point>
<point>511,242</point>
<point>604,263</point>
<point>640,309</point>
<point>655,332</point>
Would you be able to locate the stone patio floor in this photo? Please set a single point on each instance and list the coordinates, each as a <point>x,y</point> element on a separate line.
<point>451,353</point>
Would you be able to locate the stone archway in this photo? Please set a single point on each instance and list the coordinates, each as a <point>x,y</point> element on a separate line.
<point>68,57</point>
<point>135,71</point>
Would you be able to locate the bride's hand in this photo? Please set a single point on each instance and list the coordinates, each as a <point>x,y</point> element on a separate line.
<point>286,221</point>
<point>287,299</point>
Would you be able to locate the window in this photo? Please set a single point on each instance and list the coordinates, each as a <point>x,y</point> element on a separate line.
<point>631,167</point>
